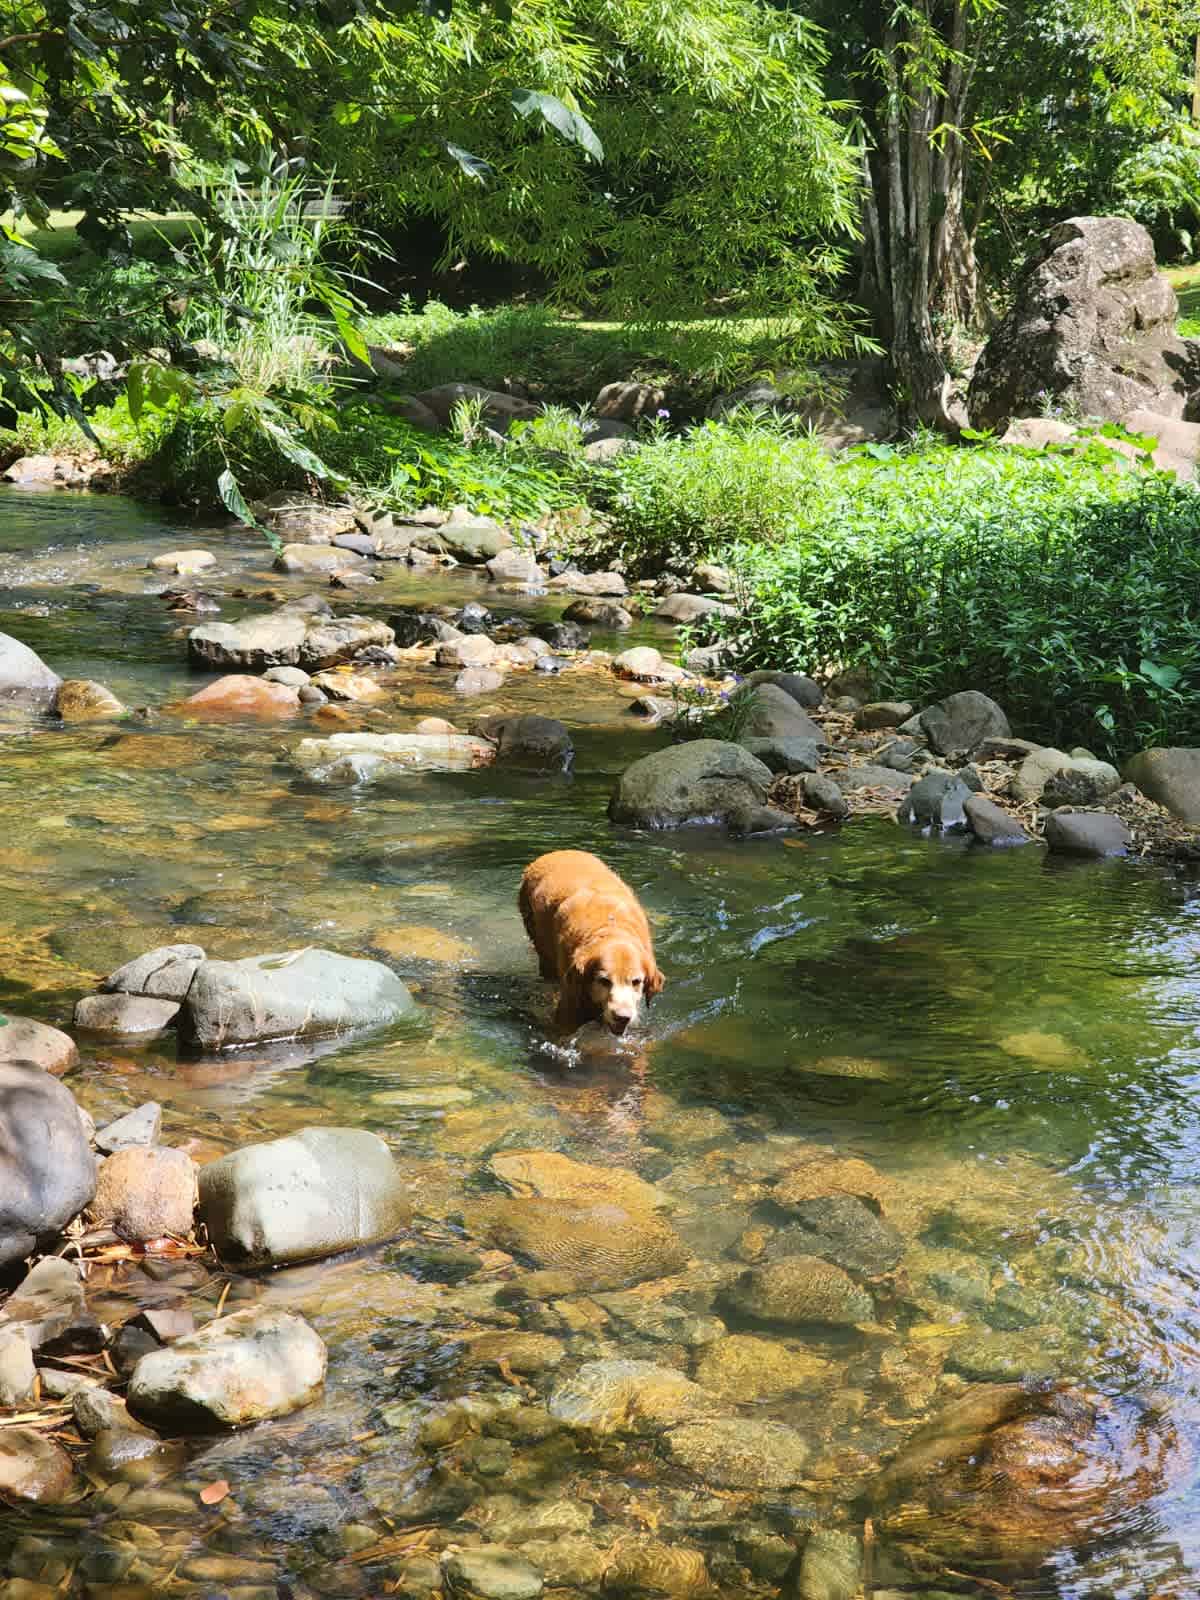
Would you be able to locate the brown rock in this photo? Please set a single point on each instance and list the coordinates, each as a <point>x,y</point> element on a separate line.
<point>146,1192</point>
<point>240,695</point>
<point>33,1467</point>
<point>83,700</point>
<point>23,1039</point>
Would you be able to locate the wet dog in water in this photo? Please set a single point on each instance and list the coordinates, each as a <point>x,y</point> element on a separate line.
<point>592,939</point>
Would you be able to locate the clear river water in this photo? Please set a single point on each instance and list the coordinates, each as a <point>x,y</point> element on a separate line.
<point>1013,1045</point>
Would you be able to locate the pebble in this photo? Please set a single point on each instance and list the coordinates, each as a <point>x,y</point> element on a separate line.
<point>493,1573</point>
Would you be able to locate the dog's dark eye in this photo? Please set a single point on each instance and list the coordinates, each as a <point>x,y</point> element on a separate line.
<point>637,983</point>
<point>604,979</point>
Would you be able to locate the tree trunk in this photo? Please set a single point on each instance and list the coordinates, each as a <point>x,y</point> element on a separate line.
<point>920,249</point>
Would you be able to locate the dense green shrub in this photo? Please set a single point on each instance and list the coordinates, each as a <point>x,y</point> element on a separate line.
<point>1066,589</point>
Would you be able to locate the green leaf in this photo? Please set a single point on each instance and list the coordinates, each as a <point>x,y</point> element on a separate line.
<point>233,499</point>
<point>299,454</point>
<point>573,127</point>
<point>349,333</point>
<point>1164,677</point>
<point>135,391</point>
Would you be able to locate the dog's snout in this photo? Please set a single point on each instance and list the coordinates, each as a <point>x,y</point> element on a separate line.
<point>619,1023</point>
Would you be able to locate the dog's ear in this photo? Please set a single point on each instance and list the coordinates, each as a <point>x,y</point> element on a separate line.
<point>654,983</point>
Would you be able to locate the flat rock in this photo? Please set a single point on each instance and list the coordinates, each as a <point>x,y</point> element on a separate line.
<point>474,540</point>
<point>702,781</point>
<point>1171,777</point>
<point>747,1369</point>
<point>799,1290</point>
<point>1086,833</point>
<point>126,1014</point>
<point>256,643</point>
<point>85,700</point>
<point>292,994</point>
<point>329,641</point>
<point>687,608</point>
<point>735,1453</point>
<point>140,1127</point>
<point>146,1192</point>
<point>48,1301</point>
<point>36,1043</point>
<point>25,679</point>
<point>311,1194</point>
<point>299,517</point>
<point>164,972</point>
<point>492,1573</point>
<point>611,584</point>
<point>182,561</point>
<point>617,1396</point>
<point>348,758</point>
<point>238,1369</point>
<point>873,777</point>
<point>309,558</point>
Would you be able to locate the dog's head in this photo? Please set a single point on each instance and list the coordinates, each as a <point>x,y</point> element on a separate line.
<point>615,978</point>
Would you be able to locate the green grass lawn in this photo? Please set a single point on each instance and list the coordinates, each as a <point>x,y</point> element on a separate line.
<point>1186,283</point>
<point>59,242</point>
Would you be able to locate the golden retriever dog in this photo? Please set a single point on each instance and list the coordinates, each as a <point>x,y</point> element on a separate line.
<point>592,939</point>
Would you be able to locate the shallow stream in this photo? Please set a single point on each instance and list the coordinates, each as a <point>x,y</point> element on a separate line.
<point>1013,1044</point>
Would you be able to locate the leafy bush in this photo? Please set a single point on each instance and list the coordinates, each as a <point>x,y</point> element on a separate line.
<point>1068,590</point>
<point>749,477</point>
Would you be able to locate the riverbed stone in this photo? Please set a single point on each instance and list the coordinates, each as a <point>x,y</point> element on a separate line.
<point>48,1302</point>
<point>737,1453</point>
<point>529,741</point>
<point>492,1573</point>
<point>553,1176</point>
<point>604,614</point>
<point>841,1229</point>
<point>1083,781</point>
<point>472,650</point>
<point>824,795</point>
<point>474,540</point>
<point>33,1468</point>
<point>37,1043</point>
<point>785,754</point>
<point>478,680</point>
<point>1086,833</point>
<point>25,679</point>
<point>165,972</point>
<point>609,584</point>
<point>747,1369</point>
<point>125,1014</point>
<point>990,824</point>
<point>349,758</point>
<point>329,641</point>
<point>601,1245</point>
<point>255,643</point>
<point>305,559</point>
<point>831,1566</point>
<point>182,561</point>
<point>18,1375</point>
<point>701,781</point>
<point>146,1192</point>
<point>1171,777</point>
<point>805,691</point>
<point>311,1194</point>
<point>140,1127</point>
<point>959,723</point>
<point>621,1396</point>
<point>562,635</point>
<point>514,566</point>
<point>85,700</point>
<point>775,714</point>
<point>880,714</point>
<point>685,609</point>
<point>798,1290</point>
<point>242,1368</point>
<point>292,994</point>
<point>644,664</point>
<point>240,695</point>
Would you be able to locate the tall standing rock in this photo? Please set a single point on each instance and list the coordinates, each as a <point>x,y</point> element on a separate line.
<point>25,679</point>
<point>1092,327</point>
<point>47,1169</point>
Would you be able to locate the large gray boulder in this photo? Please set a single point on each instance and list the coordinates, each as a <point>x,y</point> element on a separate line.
<point>775,713</point>
<point>1170,776</point>
<point>1092,326</point>
<point>316,1192</point>
<point>255,643</point>
<point>475,540</point>
<point>959,723</point>
<point>297,993</point>
<point>47,1169</point>
<point>1086,833</point>
<point>25,679</point>
<point>239,1369</point>
<point>705,781</point>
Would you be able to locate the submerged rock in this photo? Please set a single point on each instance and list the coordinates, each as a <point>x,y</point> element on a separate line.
<point>346,758</point>
<point>744,1368</point>
<point>25,679</point>
<point>492,1573</point>
<point>800,1289</point>
<point>640,1565</point>
<point>47,1169</point>
<point>298,993</point>
<point>311,1194</point>
<point>553,1176</point>
<point>1004,1477</point>
<point>84,700</point>
<point>822,1174</point>
<point>735,1453</point>
<point>831,1566</point>
<point>841,1229</point>
<point>242,1368</point>
<point>617,1396</point>
<point>702,781</point>
<point>601,1245</point>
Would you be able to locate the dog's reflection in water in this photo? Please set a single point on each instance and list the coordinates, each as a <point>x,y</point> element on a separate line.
<point>598,1082</point>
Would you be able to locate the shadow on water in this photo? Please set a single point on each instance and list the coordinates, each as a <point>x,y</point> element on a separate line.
<point>1013,1047</point>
